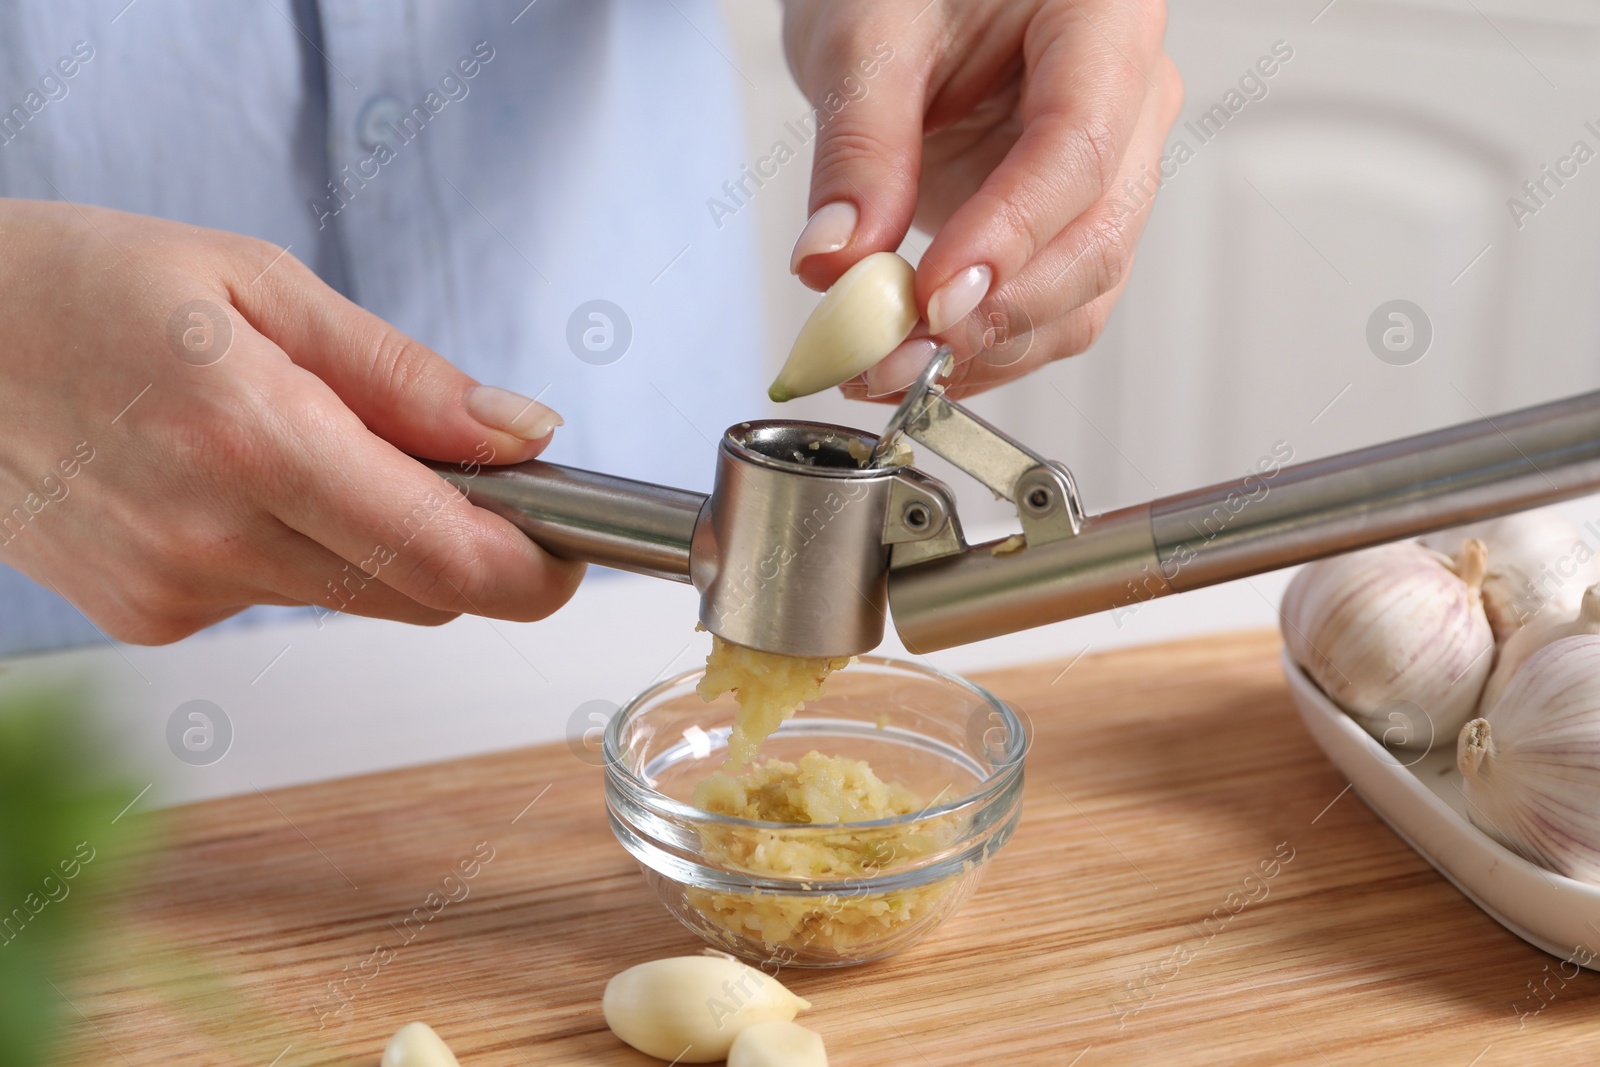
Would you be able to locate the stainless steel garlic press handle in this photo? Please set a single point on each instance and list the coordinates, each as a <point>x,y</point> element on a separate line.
<point>580,515</point>
<point>790,552</point>
<point>793,550</point>
<point>806,545</point>
<point>1478,470</point>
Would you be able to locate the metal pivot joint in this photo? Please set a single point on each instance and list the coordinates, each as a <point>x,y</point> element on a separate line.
<point>1045,496</point>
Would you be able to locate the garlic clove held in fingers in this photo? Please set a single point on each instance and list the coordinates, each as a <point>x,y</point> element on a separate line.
<point>1396,636</point>
<point>1539,564</point>
<point>861,319</point>
<point>1548,627</point>
<point>1531,768</point>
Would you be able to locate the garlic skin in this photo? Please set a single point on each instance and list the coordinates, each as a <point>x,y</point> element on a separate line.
<point>777,1044</point>
<point>862,318</point>
<point>416,1045</point>
<point>1531,769</point>
<point>689,1009</point>
<point>1396,636</point>
<point>1538,563</point>
<point>1548,627</point>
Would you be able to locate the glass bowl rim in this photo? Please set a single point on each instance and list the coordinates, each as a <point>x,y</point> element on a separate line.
<point>1001,778</point>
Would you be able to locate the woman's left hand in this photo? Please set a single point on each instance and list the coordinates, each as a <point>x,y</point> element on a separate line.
<point>1025,135</point>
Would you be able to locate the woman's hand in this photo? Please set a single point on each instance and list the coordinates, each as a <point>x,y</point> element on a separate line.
<point>1025,135</point>
<point>191,422</point>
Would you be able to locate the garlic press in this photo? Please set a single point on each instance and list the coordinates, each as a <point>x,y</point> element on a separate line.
<point>812,538</point>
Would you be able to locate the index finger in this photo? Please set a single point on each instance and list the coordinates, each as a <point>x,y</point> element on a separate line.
<point>397,522</point>
<point>1088,72</point>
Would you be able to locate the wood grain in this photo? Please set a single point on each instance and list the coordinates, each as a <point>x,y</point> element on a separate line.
<point>1109,931</point>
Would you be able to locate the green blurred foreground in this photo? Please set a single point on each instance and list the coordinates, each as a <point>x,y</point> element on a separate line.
<point>61,802</point>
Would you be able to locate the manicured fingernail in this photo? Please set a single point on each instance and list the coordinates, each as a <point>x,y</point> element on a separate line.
<point>512,413</point>
<point>900,368</point>
<point>953,300</point>
<point>828,230</point>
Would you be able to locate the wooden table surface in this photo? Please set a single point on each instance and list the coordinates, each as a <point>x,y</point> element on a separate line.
<point>1162,784</point>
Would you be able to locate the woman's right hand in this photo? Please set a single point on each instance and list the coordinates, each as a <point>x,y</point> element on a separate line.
<point>191,422</point>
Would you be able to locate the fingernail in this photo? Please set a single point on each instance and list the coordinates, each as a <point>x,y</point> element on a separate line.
<point>512,413</point>
<point>900,368</point>
<point>828,230</point>
<point>957,297</point>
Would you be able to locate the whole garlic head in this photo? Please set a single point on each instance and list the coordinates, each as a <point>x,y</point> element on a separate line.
<point>1538,561</point>
<point>1532,767</point>
<point>1396,636</point>
<point>1548,627</point>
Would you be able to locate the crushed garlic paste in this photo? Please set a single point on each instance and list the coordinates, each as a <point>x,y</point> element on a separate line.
<point>823,791</point>
<point>819,790</point>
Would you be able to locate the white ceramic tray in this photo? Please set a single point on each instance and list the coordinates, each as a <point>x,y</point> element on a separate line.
<point>1421,800</point>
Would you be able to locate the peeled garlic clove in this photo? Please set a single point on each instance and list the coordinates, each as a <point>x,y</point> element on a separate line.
<point>777,1044</point>
<point>416,1045</point>
<point>1396,636</point>
<point>861,319</point>
<point>1531,769</point>
<point>690,1008</point>
<point>1538,563</point>
<point>1548,627</point>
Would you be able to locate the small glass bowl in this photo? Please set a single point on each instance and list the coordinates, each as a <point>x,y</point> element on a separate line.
<point>949,741</point>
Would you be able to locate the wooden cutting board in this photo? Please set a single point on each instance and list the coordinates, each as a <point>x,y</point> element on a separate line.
<point>1130,920</point>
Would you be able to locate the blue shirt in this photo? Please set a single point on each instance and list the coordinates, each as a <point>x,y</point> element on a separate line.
<point>475,172</point>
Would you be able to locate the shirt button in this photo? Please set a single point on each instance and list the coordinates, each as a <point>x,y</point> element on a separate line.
<point>376,124</point>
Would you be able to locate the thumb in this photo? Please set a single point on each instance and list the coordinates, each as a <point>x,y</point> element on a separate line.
<point>869,109</point>
<point>405,392</point>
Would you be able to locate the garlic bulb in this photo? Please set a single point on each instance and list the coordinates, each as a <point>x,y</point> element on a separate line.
<point>861,319</point>
<point>416,1045</point>
<point>1548,627</point>
<point>1532,768</point>
<point>777,1044</point>
<point>1396,636</point>
<point>689,1009</point>
<point>1537,560</point>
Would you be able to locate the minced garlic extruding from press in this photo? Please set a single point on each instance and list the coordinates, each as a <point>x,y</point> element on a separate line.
<point>768,687</point>
<point>899,456</point>
<point>822,791</point>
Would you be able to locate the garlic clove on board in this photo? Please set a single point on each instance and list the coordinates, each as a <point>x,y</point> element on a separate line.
<point>416,1045</point>
<point>1396,636</point>
<point>861,319</point>
<point>1538,563</point>
<point>1548,627</point>
<point>777,1044</point>
<point>689,1009</point>
<point>1531,769</point>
